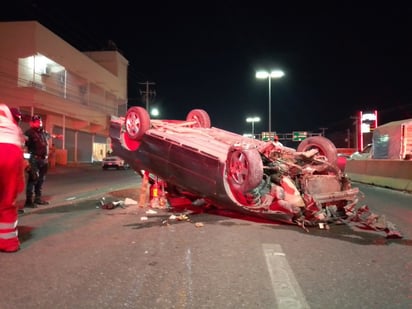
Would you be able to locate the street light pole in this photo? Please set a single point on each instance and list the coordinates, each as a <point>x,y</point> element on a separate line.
<point>146,94</point>
<point>253,120</point>
<point>269,76</point>
<point>270,105</point>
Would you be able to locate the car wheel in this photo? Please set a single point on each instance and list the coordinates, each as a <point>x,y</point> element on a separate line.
<point>324,146</point>
<point>137,122</point>
<point>244,168</point>
<point>201,117</point>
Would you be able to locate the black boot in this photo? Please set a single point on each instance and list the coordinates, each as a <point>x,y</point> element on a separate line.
<point>29,202</point>
<point>39,201</point>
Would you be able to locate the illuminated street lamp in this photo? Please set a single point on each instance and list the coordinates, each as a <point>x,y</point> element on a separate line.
<point>253,120</point>
<point>154,112</point>
<point>269,76</point>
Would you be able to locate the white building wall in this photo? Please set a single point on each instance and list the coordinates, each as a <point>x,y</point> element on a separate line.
<point>42,74</point>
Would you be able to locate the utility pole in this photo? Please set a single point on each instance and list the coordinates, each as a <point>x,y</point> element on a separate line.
<point>323,131</point>
<point>355,123</point>
<point>147,93</point>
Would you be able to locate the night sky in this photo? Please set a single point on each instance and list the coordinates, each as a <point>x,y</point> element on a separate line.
<point>337,59</point>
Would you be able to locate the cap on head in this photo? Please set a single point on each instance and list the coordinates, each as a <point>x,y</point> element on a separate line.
<point>35,117</point>
<point>16,114</point>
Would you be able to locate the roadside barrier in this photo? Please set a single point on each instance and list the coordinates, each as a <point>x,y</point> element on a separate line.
<point>393,174</point>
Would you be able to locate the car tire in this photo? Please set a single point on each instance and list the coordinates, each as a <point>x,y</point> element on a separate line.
<point>137,122</point>
<point>244,168</point>
<point>323,144</point>
<point>201,117</point>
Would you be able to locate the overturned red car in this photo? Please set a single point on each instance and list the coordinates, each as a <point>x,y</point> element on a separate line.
<point>306,186</point>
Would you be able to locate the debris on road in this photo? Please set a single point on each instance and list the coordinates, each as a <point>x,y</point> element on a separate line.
<point>129,201</point>
<point>110,204</point>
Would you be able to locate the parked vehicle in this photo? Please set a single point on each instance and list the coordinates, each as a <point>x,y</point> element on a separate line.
<point>365,154</point>
<point>393,140</point>
<point>304,186</point>
<point>114,162</point>
<point>345,152</point>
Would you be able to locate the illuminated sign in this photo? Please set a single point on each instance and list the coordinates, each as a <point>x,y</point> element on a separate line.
<point>268,136</point>
<point>365,123</point>
<point>365,128</point>
<point>368,117</point>
<point>298,136</point>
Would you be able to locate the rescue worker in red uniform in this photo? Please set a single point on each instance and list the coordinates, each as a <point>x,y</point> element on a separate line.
<point>11,178</point>
<point>38,147</point>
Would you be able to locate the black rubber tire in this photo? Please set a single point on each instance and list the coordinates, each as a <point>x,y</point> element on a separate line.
<point>323,144</point>
<point>137,122</point>
<point>244,169</point>
<point>201,117</point>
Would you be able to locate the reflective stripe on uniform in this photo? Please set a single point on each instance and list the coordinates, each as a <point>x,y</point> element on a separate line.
<point>8,235</point>
<point>11,225</point>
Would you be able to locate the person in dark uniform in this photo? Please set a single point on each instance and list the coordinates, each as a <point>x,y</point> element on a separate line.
<point>17,117</point>
<point>38,146</point>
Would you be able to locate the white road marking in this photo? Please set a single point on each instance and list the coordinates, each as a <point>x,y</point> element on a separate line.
<point>287,290</point>
<point>188,260</point>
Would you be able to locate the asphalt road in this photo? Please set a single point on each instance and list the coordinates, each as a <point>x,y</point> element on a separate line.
<point>76,255</point>
<point>65,185</point>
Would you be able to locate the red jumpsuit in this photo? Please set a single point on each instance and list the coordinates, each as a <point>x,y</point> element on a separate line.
<point>11,179</point>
